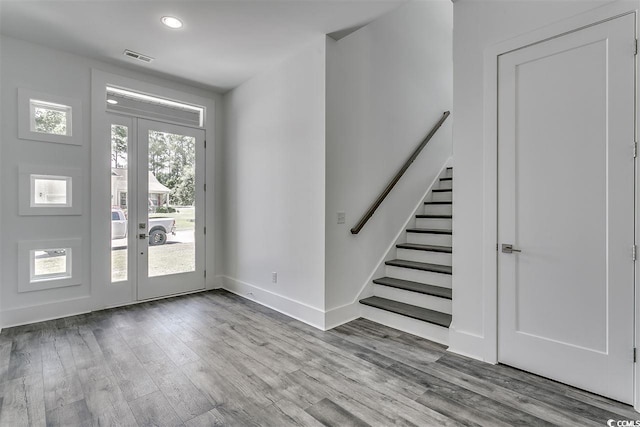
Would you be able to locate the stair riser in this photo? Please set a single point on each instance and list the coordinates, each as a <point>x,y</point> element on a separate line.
<point>420,276</point>
<point>431,302</point>
<point>446,184</point>
<point>439,258</point>
<point>429,239</point>
<point>434,223</point>
<point>422,329</point>
<point>448,173</point>
<point>438,209</point>
<point>442,197</point>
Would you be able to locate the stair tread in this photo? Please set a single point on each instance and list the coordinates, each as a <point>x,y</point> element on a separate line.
<point>428,248</point>
<point>429,231</point>
<point>415,265</point>
<point>442,190</point>
<point>438,203</point>
<point>434,216</point>
<point>415,312</point>
<point>407,285</point>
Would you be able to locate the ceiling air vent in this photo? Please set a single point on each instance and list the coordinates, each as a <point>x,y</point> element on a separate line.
<point>138,56</point>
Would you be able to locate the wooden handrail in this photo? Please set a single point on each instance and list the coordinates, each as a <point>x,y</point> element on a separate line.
<point>369,213</point>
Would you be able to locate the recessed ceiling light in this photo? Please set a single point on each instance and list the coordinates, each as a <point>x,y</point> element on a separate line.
<point>112,101</point>
<point>171,22</point>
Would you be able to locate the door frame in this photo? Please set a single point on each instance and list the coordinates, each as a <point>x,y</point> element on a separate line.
<point>104,294</point>
<point>465,343</point>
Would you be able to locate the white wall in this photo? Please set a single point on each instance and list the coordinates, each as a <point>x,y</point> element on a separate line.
<point>477,26</point>
<point>274,172</point>
<point>51,71</point>
<point>387,85</point>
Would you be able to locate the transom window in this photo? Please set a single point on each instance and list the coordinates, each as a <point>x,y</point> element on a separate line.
<point>124,101</point>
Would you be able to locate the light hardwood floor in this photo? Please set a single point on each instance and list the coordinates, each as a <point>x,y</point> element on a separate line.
<point>214,359</point>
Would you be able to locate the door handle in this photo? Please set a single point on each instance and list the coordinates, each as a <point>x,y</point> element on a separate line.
<point>142,236</point>
<point>508,249</point>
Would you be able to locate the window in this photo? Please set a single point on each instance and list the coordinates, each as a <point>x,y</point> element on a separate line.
<point>48,264</point>
<point>49,118</point>
<point>47,190</point>
<point>50,190</point>
<point>124,101</point>
<point>119,189</point>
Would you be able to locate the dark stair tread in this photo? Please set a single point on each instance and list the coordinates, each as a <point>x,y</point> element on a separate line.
<point>442,190</point>
<point>427,248</point>
<point>415,312</point>
<point>428,231</point>
<point>435,216</point>
<point>423,288</point>
<point>438,203</point>
<point>424,266</point>
<point>447,178</point>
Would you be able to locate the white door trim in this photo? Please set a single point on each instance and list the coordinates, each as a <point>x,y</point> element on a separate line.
<point>489,340</point>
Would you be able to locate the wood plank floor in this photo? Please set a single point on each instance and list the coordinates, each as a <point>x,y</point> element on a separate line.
<point>215,359</point>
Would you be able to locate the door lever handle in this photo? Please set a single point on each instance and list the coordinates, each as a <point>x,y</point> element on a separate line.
<point>508,249</point>
<point>142,236</point>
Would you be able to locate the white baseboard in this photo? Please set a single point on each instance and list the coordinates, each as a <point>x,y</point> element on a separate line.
<point>467,344</point>
<point>43,312</point>
<point>341,315</point>
<point>292,308</point>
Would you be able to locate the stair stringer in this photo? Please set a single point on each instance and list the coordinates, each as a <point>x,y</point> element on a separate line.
<point>412,326</point>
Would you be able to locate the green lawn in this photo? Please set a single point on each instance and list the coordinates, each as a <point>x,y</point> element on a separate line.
<point>171,258</point>
<point>118,265</point>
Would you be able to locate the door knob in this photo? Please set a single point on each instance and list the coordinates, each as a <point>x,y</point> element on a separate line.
<point>508,249</point>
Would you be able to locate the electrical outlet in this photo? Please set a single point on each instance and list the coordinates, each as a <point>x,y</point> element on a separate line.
<point>274,277</point>
<point>341,217</point>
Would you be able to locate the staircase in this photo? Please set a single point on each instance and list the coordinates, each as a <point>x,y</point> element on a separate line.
<point>415,294</point>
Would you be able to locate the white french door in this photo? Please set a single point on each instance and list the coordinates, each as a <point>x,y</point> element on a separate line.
<point>566,208</point>
<point>157,193</point>
<point>170,240</point>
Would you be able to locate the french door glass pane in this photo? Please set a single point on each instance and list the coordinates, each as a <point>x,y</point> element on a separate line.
<point>171,212</point>
<point>119,202</point>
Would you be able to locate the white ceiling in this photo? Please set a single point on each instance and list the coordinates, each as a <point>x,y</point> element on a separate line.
<point>222,43</point>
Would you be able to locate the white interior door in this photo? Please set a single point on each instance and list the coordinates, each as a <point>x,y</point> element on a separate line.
<point>169,229</point>
<point>566,201</point>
